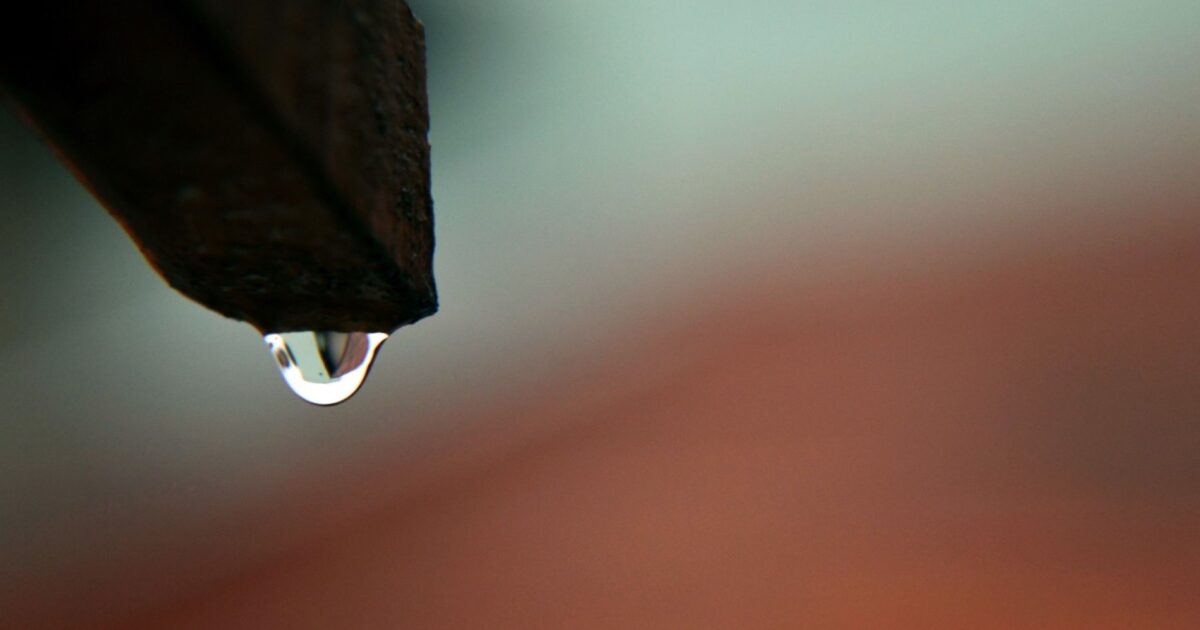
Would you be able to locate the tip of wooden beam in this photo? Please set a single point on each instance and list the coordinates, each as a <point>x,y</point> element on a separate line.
<point>270,159</point>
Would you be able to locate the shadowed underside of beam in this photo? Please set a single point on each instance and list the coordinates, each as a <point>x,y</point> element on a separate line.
<point>269,158</point>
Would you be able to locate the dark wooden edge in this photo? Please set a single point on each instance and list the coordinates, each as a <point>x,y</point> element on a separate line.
<point>269,158</point>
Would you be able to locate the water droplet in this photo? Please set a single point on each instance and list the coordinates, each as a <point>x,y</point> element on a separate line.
<point>324,368</point>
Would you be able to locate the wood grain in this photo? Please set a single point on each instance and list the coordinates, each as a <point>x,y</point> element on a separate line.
<point>269,158</point>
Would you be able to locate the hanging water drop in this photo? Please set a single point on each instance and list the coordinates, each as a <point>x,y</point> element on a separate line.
<point>324,368</point>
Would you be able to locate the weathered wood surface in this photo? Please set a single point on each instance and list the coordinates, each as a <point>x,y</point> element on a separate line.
<point>269,157</point>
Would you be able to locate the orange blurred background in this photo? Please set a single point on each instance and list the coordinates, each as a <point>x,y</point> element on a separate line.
<point>771,316</point>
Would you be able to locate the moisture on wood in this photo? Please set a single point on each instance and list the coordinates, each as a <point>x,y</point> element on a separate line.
<point>270,158</point>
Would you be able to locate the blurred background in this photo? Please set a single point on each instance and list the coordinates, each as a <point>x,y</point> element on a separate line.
<point>753,314</point>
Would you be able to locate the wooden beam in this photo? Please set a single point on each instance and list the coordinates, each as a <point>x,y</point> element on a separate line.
<point>269,158</point>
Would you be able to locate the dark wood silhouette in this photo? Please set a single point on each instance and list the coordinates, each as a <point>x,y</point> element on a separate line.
<point>269,158</point>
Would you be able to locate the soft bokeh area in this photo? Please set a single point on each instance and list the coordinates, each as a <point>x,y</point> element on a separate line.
<point>753,314</point>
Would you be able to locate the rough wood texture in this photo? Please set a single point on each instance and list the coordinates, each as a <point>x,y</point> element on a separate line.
<point>269,158</point>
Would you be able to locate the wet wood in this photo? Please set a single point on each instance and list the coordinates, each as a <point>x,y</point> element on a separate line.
<point>269,158</point>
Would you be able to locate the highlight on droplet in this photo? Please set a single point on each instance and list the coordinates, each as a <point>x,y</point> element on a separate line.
<point>324,368</point>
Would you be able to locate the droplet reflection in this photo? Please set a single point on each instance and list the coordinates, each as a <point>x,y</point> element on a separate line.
<point>324,368</point>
